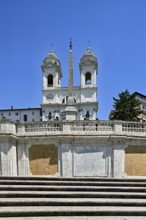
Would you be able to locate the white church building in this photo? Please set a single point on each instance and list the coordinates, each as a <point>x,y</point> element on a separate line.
<point>63,137</point>
<point>54,97</point>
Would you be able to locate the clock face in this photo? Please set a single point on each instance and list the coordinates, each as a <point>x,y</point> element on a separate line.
<point>50,97</point>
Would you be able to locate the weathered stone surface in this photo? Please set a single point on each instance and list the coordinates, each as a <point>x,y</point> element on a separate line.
<point>43,159</point>
<point>135,161</point>
<point>55,198</point>
<point>82,218</point>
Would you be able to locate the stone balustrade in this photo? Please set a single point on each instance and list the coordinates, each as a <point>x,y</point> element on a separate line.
<point>91,126</point>
<point>43,126</point>
<point>73,127</point>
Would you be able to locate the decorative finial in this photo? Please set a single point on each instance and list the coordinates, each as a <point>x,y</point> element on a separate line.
<point>89,43</point>
<point>52,46</point>
<point>70,45</point>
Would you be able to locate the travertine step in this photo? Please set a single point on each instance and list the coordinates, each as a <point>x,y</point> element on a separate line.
<point>70,183</point>
<point>71,211</point>
<point>43,196</point>
<point>73,188</point>
<point>58,194</point>
<point>79,218</point>
<point>71,202</point>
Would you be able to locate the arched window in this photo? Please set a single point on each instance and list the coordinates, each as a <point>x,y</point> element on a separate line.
<point>50,116</point>
<point>88,78</point>
<point>50,80</point>
<point>87,115</point>
<point>65,99</point>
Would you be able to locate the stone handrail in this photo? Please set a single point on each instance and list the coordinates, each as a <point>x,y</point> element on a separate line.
<point>134,127</point>
<point>92,126</point>
<point>83,127</point>
<point>43,126</point>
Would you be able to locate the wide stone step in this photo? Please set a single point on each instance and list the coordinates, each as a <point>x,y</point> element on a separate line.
<point>71,211</point>
<point>74,179</point>
<point>79,218</point>
<point>71,183</point>
<point>73,188</point>
<point>68,197</point>
<point>71,202</point>
<point>70,194</point>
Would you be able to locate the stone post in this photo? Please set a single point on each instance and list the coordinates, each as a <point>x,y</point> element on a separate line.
<point>118,158</point>
<point>21,128</point>
<point>7,126</point>
<point>117,126</point>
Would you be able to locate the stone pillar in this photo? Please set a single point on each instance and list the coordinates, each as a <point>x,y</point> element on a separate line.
<point>8,157</point>
<point>117,126</point>
<point>118,159</point>
<point>23,162</point>
<point>7,126</point>
<point>67,158</point>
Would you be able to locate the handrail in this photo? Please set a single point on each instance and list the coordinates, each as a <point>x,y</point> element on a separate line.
<point>74,127</point>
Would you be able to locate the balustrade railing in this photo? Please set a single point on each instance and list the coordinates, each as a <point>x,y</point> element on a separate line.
<point>91,126</point>
<point>67,127</point>
<point>43,126</point>
<point>134,127</point>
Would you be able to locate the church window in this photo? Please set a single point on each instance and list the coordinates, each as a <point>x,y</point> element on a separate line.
<point>88,78</point>
<point>63,100</point>
<point>50,80</point>
<point>87,115</point>
<point>25,117</point>
<point>2,114</point>
<point>50,116</point>
<point>16,113</point>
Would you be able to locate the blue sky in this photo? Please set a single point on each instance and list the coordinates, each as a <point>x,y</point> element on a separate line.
<point>116,30</point>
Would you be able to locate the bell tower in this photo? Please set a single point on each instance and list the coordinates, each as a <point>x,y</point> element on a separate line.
<point>88,72</point>
<point>52,74</point>
<point>88,69</point>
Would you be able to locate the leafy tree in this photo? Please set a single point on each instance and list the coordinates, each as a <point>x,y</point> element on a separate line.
<point>126,108</point>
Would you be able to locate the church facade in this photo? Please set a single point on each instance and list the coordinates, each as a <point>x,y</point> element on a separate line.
<point>64,137</point>
<point>54,97</point>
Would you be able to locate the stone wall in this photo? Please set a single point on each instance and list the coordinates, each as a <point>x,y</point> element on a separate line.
<point>101,148</point>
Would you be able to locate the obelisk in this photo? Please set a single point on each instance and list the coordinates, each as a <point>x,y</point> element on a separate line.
<point>71,111</point>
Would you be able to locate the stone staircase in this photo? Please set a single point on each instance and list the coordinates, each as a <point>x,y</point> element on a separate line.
<point>33,197</point>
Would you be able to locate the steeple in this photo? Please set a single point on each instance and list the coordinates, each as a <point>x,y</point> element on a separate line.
<point>70,77</point>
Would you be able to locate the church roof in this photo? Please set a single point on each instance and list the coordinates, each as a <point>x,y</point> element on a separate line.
<point>89,52</point>
<point>51,60</point>
<point>88,58</point>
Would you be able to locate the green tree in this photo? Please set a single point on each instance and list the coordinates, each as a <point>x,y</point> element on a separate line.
<point>126,108</point>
